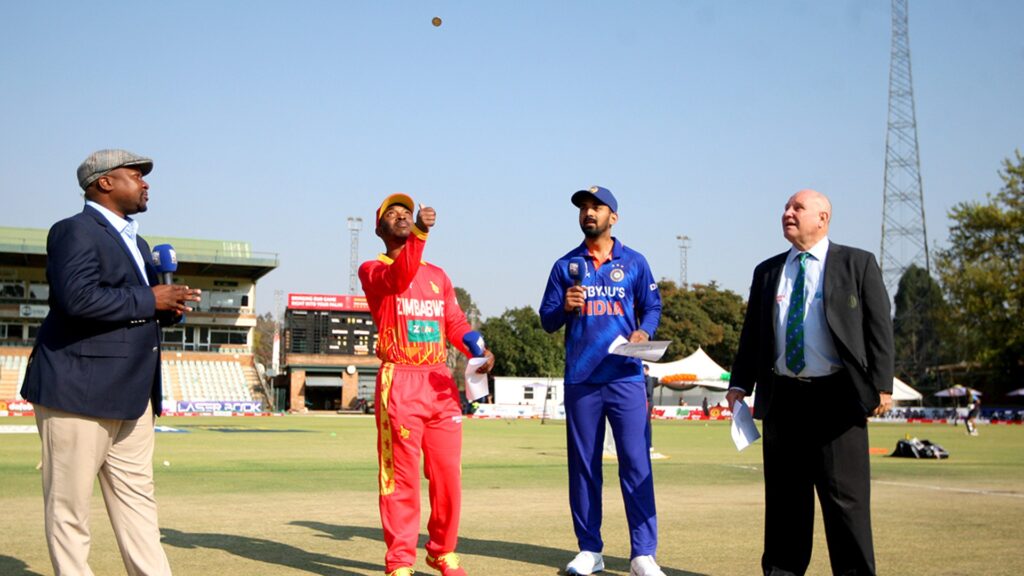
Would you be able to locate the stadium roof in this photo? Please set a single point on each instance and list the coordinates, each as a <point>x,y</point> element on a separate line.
<point>27,247</point>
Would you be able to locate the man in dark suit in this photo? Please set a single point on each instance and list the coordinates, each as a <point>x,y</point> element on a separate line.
<point>94,374</point>
<point>817,343</point>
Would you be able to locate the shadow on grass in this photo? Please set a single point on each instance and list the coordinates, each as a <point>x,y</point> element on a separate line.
<point>554,558</point>
<point>10,566</point>
<point>266,551</point>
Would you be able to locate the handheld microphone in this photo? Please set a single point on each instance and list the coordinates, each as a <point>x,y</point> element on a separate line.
<point>474,341</point>
<point>165,260</point>
<point>577,269</point>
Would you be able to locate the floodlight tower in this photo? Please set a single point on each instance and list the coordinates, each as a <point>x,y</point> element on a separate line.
<point>904,237</point>
<point>354,226</point>
<point>684,245</point>
<point>275,362</point>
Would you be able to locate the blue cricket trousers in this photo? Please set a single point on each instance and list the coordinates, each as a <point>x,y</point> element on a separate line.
<point>624,404</point>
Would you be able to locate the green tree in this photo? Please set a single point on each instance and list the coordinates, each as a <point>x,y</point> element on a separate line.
<point>468,306</point>
<point>982,271</point>
<point>726,309</point>
<point>704,316</point>
<point>456,361</point>
<point>263,339</point>
<point>521,346</point>
<point>683,322</point>
<point>917,326</point>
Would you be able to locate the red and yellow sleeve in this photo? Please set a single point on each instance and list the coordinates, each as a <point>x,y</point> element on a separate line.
<point>399,273</point>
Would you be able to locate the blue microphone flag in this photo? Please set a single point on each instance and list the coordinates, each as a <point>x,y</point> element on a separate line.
<point>165,259</point>
<point>577,269</point>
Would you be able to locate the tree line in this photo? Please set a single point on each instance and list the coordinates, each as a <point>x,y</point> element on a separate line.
<point>701,315</point>
<point>964,324</point>
<point>961,324</point>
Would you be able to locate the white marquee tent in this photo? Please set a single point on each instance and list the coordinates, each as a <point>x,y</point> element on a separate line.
<point>903,392</point>
<point>709,374</point>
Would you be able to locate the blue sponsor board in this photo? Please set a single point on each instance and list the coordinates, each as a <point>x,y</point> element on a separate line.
<point>215,406</point>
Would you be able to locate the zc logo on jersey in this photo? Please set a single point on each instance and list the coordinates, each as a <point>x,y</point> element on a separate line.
<point>423,331</point>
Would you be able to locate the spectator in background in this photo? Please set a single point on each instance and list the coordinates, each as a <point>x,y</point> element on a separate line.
<point>973,411</point>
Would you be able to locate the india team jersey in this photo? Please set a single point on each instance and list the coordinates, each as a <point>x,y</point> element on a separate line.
<point>622,297</point>
<point>414,306</point>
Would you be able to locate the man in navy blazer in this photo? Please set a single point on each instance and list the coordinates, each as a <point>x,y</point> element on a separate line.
<point>94,373</point>
<point>820,368</point>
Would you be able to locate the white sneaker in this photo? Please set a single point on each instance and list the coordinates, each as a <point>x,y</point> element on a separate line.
<point>585,563</point>
<point>644,566</point>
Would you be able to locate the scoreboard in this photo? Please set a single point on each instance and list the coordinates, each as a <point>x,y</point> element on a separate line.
<point>329,324</point>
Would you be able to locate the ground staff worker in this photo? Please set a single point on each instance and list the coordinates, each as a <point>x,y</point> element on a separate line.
<point>417,403</point>
<point>94,374</point>
<point>817,343</point>
<point>617,296</point>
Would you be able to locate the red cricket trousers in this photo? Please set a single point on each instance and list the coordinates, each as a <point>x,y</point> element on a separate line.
<point>417,410</point>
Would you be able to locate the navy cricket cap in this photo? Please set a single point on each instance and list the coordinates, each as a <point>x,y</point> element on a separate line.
<point>602,195</point>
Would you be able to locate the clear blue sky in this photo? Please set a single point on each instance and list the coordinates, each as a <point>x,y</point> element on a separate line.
<point>273,122</point>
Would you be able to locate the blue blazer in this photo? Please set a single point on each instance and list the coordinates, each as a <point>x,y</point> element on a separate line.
<point>98,351</point>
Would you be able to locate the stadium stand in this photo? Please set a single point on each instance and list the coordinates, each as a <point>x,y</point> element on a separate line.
<point>196,376</point>
<point>207,357</point>
<point>208,380</point>
<point>12,372</point>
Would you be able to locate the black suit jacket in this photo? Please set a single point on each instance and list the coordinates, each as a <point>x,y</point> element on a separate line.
<point>98,351</point>
<point>857,312</point>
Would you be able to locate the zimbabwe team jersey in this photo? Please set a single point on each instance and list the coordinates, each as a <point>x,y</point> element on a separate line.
<point>413,304</point>
<point>622,297</point>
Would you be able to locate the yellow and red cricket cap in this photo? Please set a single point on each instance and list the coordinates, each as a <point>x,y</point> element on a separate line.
<point>396,198</point>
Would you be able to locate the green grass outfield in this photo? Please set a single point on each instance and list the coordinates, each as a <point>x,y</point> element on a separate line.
<point>297,495</point>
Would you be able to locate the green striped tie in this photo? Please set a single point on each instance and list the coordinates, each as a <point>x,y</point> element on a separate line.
<point>795,320</point>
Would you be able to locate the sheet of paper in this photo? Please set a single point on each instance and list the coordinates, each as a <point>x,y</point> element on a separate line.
<point>652,350</point>
<point>744,431</point>
<point>476,384</point>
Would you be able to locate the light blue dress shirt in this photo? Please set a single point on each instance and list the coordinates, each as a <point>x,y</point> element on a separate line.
<point>820,352</point>
<point>128,229</point>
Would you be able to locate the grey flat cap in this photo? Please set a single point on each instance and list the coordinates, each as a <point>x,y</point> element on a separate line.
<point>102,161</point>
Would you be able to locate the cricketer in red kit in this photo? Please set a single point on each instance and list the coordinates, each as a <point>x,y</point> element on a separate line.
<point>417,403</point>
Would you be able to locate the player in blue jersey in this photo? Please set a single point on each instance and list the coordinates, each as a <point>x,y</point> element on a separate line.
<point>615,295</point>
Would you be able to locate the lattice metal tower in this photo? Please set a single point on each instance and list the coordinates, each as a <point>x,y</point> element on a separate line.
<point>354,226</point>
<point>904,237</point>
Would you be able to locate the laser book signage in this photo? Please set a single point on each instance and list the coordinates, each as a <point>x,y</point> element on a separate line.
<point>213,406</point>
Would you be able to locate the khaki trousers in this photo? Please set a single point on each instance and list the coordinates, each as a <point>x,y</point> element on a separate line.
<point>77,449</point>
